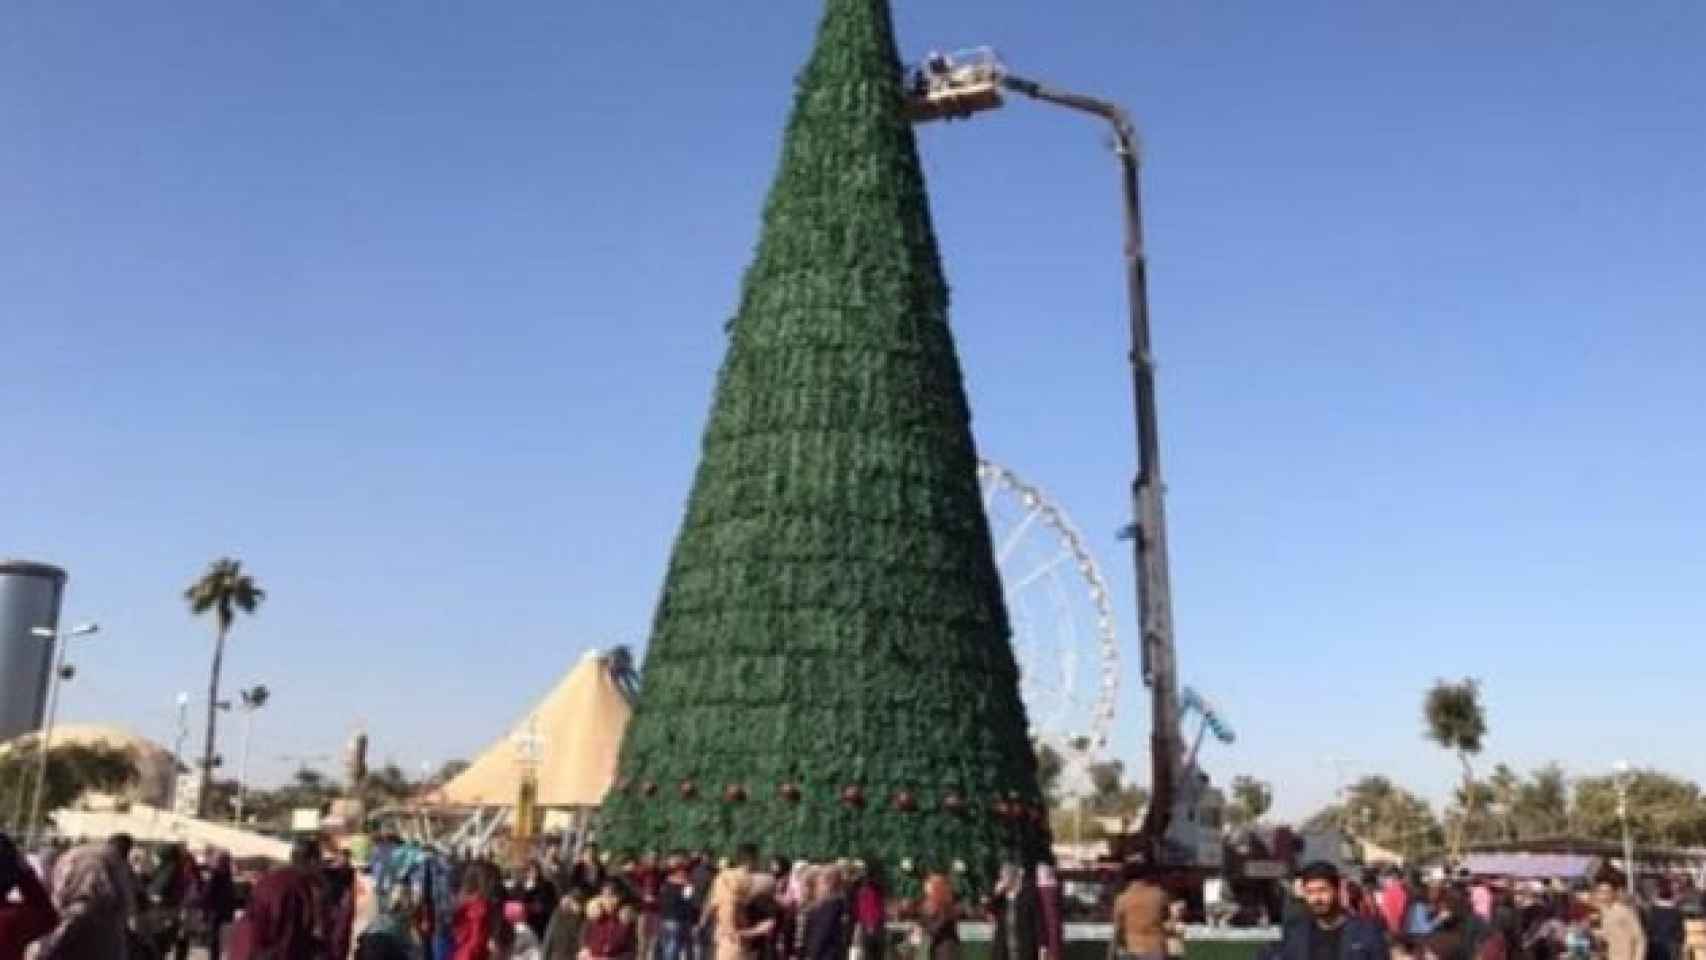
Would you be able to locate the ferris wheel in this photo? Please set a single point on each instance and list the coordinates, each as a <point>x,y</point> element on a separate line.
<point>1062,620</point>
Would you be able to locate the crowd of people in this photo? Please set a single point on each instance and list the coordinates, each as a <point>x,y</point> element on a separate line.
<point>693,907</point>
<point>386,899</point>
<point>1483,919</point>
<point>677,907</point>
<point>108,900</point>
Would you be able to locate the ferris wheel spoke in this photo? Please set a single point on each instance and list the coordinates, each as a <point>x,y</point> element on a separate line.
<point>1044,570</point>
<point>1018,535</point>
<point>991,486</point>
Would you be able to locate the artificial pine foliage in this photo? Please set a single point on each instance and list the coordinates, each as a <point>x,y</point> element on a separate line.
<point>829,674</point>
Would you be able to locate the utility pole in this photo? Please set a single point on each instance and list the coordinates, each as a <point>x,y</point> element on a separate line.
<point>1625,779</point>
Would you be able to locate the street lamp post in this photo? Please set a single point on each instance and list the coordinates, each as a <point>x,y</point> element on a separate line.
<point>181,734</point>
<point>59,641</point>
<point>946,90</point>
<point>1625,778</point>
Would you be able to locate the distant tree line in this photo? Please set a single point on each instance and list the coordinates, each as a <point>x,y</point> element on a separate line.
<point>72,770</point>
<point>270,809</point>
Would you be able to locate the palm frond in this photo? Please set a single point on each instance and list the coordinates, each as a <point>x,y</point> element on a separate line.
<point>224,590</point>
<point>1454,715</point>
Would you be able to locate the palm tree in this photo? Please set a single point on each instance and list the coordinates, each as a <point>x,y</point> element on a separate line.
<point>1251,800</point>
<point>255,697</point>
<point>225,590</point>
<point>1457,722</point>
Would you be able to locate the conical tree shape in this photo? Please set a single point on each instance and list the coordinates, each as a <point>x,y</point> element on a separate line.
<point>831,647</point>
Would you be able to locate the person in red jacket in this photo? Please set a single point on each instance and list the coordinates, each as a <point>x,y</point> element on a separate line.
<point>33,916</point>
<point>610,932</point>
<point>478,921</point>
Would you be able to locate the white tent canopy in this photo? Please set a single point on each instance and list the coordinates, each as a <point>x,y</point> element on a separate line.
<point>153,825</point>
<point>574,735</point>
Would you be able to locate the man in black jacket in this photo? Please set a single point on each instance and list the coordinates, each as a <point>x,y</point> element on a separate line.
<point>1328,932</point>
<point>586,875</point>
<point>1665,930</point>
<point>828,925</point>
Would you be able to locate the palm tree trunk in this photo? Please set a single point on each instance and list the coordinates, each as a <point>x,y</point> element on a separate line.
<point>1468,803</point>
<point>212,724</point>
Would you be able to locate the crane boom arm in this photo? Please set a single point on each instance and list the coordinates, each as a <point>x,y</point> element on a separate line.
<point>1154,587</point>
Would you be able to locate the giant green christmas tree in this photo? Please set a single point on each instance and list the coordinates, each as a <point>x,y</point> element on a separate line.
<point>829,674</point>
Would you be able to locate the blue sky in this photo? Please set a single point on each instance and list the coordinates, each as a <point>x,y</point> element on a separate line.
<point>415,307</point>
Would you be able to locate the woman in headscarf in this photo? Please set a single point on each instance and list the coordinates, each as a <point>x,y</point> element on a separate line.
<point>724,912</point>
<point>219,902</point>
<point>1054,927</point>
<point>563,934</point>
<point>762,919</point>
<point>478,920</point>
<point>92,891</point>
<point>1393,899</point>
<point>391,934</point>
<point>1451,938</point>
<point>865,907</point>
<point>337,903</point>
<point>283,919</point>
<point>439,885</point>
<point>611,929</point>
<point>539,898</point>
<point>1358,901</point>
<point>173,888</point>
<point>524,943</point>
<point>24,922</point>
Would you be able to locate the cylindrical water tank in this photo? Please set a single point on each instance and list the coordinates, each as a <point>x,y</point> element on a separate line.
<point>29,598</point>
